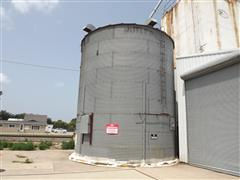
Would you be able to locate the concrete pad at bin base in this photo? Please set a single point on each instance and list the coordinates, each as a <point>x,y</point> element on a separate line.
<point>104,175</point>
<point>55,164</point>
<point>101,161</point>
<point>183,171</point>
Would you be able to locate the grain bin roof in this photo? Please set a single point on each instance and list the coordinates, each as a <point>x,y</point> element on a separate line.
<point>127,24</point>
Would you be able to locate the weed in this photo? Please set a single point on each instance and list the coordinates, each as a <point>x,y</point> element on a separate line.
<point>28,161</point>
<point>20,156</point>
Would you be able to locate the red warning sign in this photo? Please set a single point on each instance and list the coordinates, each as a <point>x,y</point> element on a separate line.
<point>112,128</point>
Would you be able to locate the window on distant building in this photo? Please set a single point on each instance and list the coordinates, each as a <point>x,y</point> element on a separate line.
<point>1,125</point>
<point>11,125</point>
<point>35,127</point>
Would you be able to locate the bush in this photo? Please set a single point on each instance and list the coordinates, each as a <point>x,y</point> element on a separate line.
<point>45,145</point>
<point>49,143</point>
<point>68,144</point>
<point>3,144</point>
<point>10,144</point>
<point>23,146</point>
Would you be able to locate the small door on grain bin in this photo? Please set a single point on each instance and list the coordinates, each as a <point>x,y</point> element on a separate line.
<point>84,124</point>
<point>153,145</point>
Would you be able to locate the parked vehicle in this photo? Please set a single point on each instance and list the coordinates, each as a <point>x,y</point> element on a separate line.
<point>49,128</point>
<point>59,130</point>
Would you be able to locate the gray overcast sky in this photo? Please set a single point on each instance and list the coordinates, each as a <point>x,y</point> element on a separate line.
<point>49,33</point>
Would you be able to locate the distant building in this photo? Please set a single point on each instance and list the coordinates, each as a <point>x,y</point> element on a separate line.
<point>30,123</point>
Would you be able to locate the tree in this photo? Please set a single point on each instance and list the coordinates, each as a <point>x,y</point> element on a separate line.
<point>72,125</point>
<point>49,121</point>
<point>19,116</point>
<point>60,124</point>
<point>4,115</point>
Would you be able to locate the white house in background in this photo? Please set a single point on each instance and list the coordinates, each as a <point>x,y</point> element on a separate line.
<point>30,123</point>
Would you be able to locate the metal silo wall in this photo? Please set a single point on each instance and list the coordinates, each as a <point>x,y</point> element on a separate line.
<point>127,78</point>
<point>195,31</point>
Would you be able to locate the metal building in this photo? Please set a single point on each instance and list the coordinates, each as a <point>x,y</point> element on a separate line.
<point>183,65</point>
<point>203,32</point>
<point>213,114</point>
<point>126,94</point>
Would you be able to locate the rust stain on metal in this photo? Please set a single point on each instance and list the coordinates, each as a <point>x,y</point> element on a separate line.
<point>175,33</point>
<point>216,24</point>
<point>169,23</point>
<point>176,10</point>
<point>194,27</point>
<point>231,5</point>
<point>174,59</point>
<point>169,16</point>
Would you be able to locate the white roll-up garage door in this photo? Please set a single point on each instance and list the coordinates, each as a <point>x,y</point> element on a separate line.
<point>213,120</point>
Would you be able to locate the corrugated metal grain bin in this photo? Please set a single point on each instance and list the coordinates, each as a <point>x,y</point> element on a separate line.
<point>126,94</point>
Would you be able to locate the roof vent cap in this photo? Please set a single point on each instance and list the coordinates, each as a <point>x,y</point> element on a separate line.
<point>89,28</point>
<point>151,22</point>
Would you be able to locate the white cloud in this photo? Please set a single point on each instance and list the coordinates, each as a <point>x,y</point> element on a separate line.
<point>4,78</point>
<point>6,20</point>
<point>24,6</point>
<point>60,84</point>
